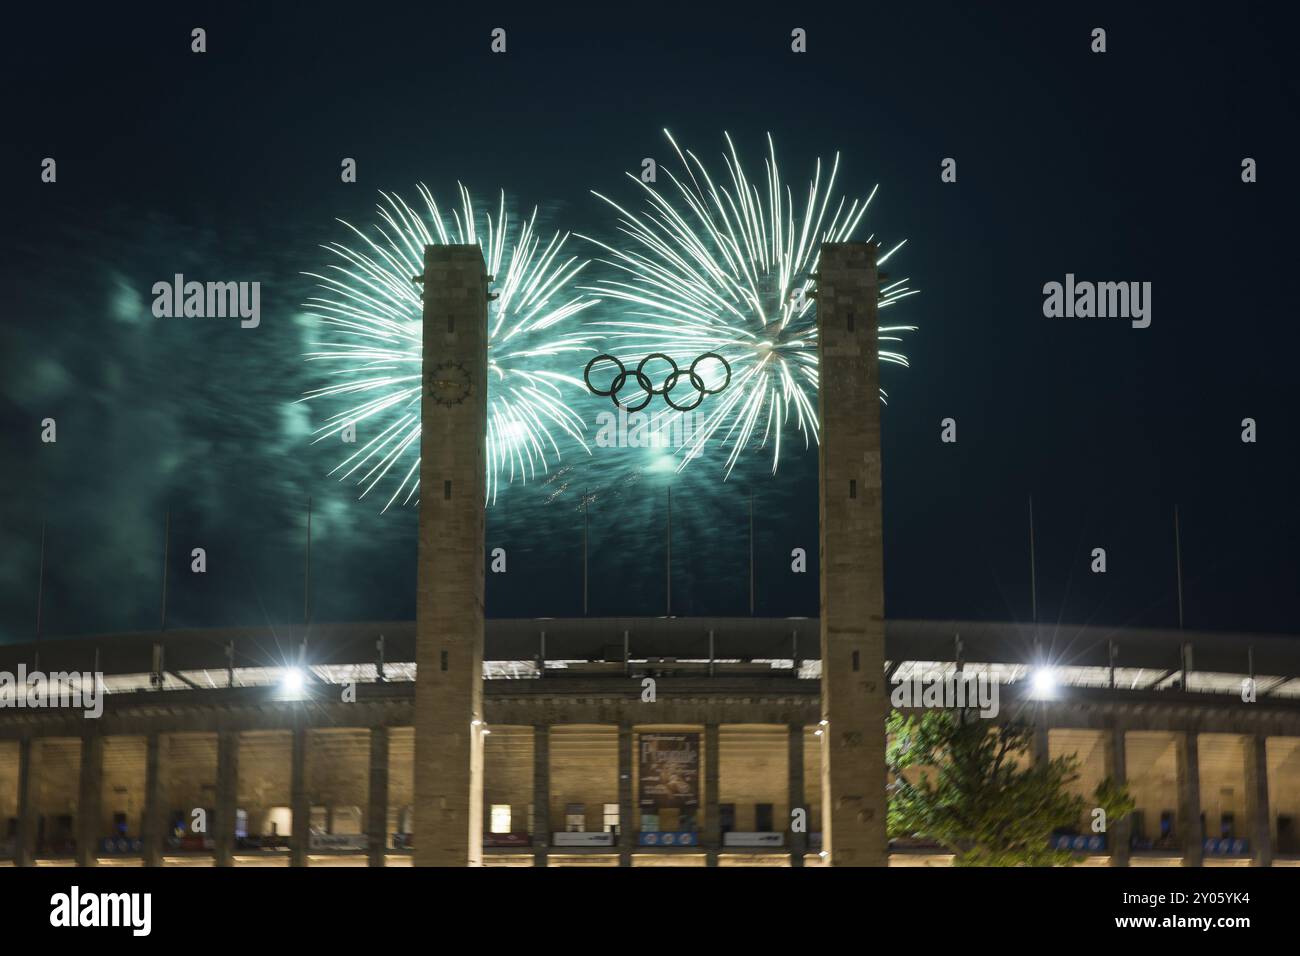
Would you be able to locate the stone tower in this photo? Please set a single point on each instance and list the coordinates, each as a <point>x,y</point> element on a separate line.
<point>449,604</point>
<point>854,697</point>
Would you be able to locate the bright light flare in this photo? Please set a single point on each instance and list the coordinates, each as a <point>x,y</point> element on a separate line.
<point>292,682</point>
<point>1043,683</point>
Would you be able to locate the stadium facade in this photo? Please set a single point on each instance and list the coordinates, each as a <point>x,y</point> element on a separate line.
<point>674,741</point>
<point>584,765</point>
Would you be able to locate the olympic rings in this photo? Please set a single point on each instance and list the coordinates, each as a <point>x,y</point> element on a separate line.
<point>643,380</point>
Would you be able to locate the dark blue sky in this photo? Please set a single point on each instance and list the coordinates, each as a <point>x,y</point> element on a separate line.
<point>1122,166</point>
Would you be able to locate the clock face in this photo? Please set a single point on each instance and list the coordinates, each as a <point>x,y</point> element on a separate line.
<point>448,383</point>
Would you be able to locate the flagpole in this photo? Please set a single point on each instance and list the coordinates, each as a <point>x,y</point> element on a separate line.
<point>167,539</point>
<point>668,560</point>
<point>306,587</point>
<point>586,529</point>
<point>1033,575</point>
<point>1178,565</point>
<point>40,595</point>
<point>751,553</point>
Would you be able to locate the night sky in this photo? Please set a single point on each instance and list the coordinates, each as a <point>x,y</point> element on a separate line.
<point>1124,166</point>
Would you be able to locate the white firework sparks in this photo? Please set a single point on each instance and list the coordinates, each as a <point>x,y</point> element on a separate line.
<point>727,269</point>
<point>371,311</point>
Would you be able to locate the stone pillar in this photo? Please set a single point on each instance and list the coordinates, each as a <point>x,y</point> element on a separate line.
<point>449,601</point>
<point>1257,806</point>
<point>794,757</point>
<point>1118,832</point>
<point>627,810</point>
<point>1042,750</point>
<point>542,793</point>
<point>89,798</point>
<point>299,800</point>
<point>377,802</point>
<point>153,827</point>
<point>1189,799</point>
<point>28,788</point>
<point>854,702</point>
<point>712,778</point>
<point>223,817</point>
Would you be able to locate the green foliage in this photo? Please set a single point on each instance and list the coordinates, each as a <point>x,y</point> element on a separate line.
<point>1114,799</point>
<point>974,791</point>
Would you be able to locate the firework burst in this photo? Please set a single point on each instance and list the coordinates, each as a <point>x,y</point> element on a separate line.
<point>727,269</point>
<point>370,312</point>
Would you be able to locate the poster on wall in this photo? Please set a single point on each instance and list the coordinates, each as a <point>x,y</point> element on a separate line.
<point>669,770</point>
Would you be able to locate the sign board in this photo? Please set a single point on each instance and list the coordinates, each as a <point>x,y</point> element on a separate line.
<point>1091,843</point>
<point>669,770</point>
<point>582,839</point>
<point>507,839</point>
<point>121,844</point>
<point>753,839</point>
<point>670,838</point>
<point>339,841</point>
<point>1226,846</point>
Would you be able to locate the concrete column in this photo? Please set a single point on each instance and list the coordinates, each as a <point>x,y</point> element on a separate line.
<point>28,774</point>
<point>1257,806</point>
<point>794,757</point>
<point>627,825</point>
<point>299,800</point>
<point>712,836</point>
<point>89,799</point>
<point>1189,799</point>
<point>542,793</point>
<point>854,702</point>
<point>153,826</point>
<point>449,591</point>
<point>1042,751</point>
<point>223,822</point>
<point>377,803</point>
<point>1118,832</point>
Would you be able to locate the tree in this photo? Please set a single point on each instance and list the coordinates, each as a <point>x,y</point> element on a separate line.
<point>974,797</point>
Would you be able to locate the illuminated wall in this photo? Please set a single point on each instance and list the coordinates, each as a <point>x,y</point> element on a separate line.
<point>338,779</point>
<point>754,769</point>
<point>508,775</point>
<point>8,786</point>
<point>123,785</point>
<point>1284,793</point>
<point>1152,762</point>
<point>584,769</point>
<point>1222,762</point>
<point>401,781</point>
<point>58,773</point>
<point>265,765</point>
<point>1088,747</point>
<point>812,784</point>
<point>189,763</point>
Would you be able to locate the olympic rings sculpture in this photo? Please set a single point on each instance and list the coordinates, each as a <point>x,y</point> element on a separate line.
<point>643,380</point>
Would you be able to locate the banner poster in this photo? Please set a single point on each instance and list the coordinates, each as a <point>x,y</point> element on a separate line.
<point>669,770</point>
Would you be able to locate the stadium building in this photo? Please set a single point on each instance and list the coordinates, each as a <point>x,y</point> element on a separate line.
<point>456,741</point>
<point>581,767</point>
